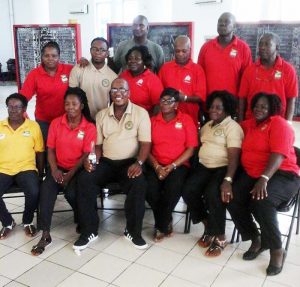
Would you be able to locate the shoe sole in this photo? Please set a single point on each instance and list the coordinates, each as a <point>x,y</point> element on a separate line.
<point>84,246</point>
<point>140,246</point>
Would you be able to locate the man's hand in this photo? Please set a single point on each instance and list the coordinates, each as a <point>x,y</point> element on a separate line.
<point>134,170</point>
<point>226,191</point>
<point>58,176</point>
<point>88,166</point>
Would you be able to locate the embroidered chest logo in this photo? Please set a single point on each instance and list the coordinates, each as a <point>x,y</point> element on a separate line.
<point>140,82</point>
<point>129,125</point>
<point>263,127</point>
<point>2,136</point>
<point>277,75</point>
<point>64,78</point>
<point>178,125</point>
<point>233,53</point>
<point>219,133</point>
<point>80,135</point>
<point>187,79</point>
<point>26,134</point>
<point>105,83</point>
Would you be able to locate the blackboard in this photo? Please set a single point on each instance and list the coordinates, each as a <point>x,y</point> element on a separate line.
<point>29,39</point>
<point>163,34</point>
<point>289,34</point>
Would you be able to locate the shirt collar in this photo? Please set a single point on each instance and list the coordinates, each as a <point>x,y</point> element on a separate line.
<point>43,71</point>
<point>222,123</point>
<point>127,111</point>
<point>277,65</point>
<point>81,125</point>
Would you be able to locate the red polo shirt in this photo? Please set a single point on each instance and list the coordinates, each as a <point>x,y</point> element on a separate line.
<point>224,67</point>
<point>70,144</point>
<point>281,80</point>
<point>49,91</point>
<point>171,139</point>
<point>190,79</point>
<point>273,135</point>
<point>145,89</point>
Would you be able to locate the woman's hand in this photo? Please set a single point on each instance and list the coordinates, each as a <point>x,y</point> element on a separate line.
<point>83,62</point>
<point>259,190</point>
<point>67,177</point>
<point>226,191</point>
<point>58,176</point>
<point>161,172</point>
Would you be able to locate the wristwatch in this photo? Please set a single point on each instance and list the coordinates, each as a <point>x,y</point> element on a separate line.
<point>228,178</point>
<point>139,162</point>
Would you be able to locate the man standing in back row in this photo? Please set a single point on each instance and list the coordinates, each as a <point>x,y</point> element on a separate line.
<point>95,78</point>
<point>224,58</point>
<point>140,29</point>
<point>185,76</point>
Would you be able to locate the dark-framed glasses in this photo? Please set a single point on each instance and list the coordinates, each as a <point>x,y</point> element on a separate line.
<point>167,101</point>
<point>15,108</point>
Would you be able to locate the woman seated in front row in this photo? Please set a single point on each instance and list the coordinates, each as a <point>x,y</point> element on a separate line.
<point>174,137</point>
<point>270,177</point>
<point>69,142</point>
<point>221,140</point>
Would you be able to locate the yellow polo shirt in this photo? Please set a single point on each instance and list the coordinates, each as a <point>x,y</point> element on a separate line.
<point>95,83</point>
<point>216,139</point>
<point>18,147</point>
<point>120,139</point>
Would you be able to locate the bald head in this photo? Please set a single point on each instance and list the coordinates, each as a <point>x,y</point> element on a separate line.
<point>140,27</point>
<point>226,24</point>
<point>182,47</point>
<point>183,40</point>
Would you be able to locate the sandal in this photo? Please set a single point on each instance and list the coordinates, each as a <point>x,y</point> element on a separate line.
<point>169,232</point>
<point>205,240</point>
<point>158,236</point>
<point>41,246</point>
<point>216,247</point>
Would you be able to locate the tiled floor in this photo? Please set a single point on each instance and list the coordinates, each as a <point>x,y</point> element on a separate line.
<point>112,261</point>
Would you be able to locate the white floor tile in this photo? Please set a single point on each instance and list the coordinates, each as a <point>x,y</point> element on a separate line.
<point>4,281</point>
<point>124,249</point>
<point>137,276</point>
<point>115,224</point>
<point>293,255</point>
<point>197,271</point>
<point>15,284</point>
<point>273,284</point>
<point>16,263</point>
<point>105,267</point>
<point>225,279</point>
<point>45,274</point>
<point>79,280</point>
<point>160,259</point>
<point>5,250</point>
<point>105,239</point>
<point>255,267</point>
<point>68,258</point>
<point>172,281</point>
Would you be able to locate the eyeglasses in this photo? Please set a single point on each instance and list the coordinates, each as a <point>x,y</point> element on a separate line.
<point>100,50</point>
<point>121,90</point>
<point>167,101</point>
<point>14,108</point>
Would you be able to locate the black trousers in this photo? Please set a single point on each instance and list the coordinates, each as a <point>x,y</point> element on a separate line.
<point>164,195</point>
<point>281,187</point>
<point>48,195</point>
<point>203,197</point>
<point>29,182</point>
<point>89,185</point>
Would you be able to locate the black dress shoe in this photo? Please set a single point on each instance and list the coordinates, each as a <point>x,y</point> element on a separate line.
<point>251,255</point>
<point>274,270</point>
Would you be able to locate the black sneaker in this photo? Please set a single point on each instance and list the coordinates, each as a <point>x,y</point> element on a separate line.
<point>83,241</point>
<point>138,242</point>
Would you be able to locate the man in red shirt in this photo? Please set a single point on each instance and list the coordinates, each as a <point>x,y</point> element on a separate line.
<point>186,77</point>
<point>270,74</point>
<point>224,58</point>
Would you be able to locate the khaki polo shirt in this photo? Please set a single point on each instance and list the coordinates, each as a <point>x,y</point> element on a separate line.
<point>95,83</point>
<point>216,139</point>
<point>120,139</point>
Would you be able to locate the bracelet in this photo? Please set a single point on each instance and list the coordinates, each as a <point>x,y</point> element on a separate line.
<point>185,98</point>
<point>174,165</point>
<point>290,123</point>
<point>265,177</point>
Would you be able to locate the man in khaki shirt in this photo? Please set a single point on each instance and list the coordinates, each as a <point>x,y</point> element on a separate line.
<point>95,78</point>
<point>123,145</point>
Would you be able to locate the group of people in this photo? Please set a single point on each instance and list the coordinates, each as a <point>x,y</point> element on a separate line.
<point>143,127</point>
